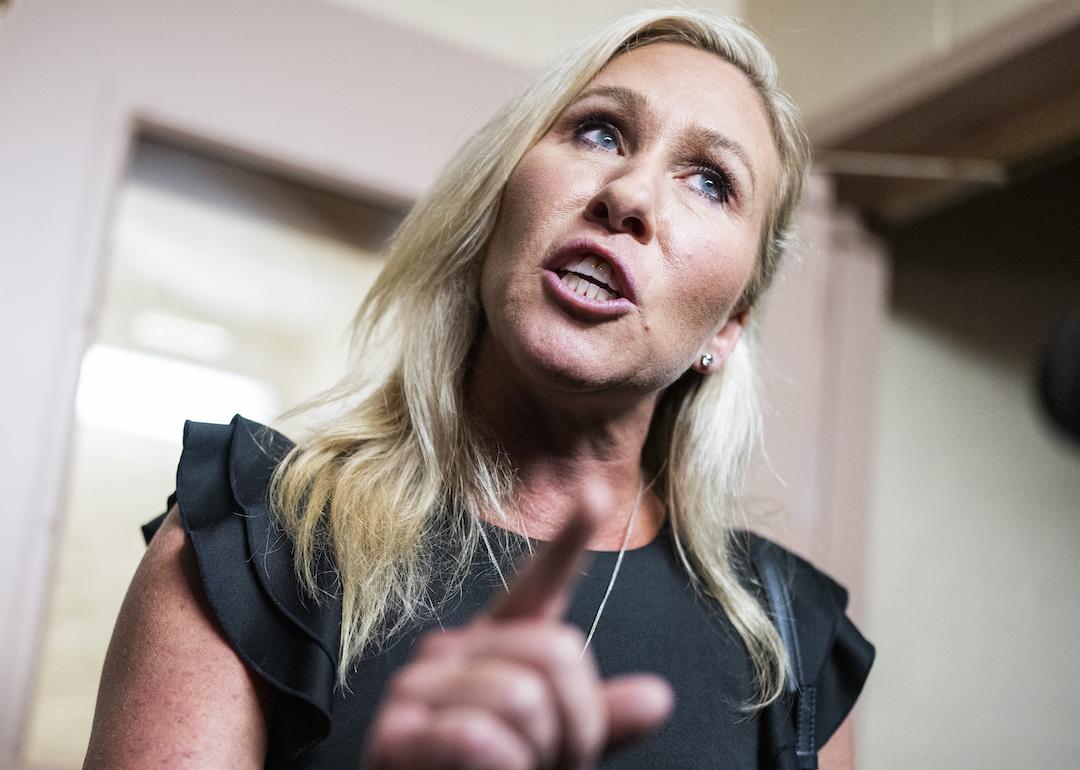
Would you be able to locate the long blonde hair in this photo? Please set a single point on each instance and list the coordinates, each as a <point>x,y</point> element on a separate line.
<point>400,468</point>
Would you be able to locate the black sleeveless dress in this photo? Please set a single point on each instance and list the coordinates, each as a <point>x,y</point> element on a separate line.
<point>653,621</point>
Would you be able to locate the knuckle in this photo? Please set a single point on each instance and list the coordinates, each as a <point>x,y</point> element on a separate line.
<point>428,644</point>
<point>406,682</point>
<point>473,736</point>
<point>566,643</point>
<point>436,642</point>
<point>527,697</point>
<point>594,736</point>
<point>586,741</point>
<point>395,729</point>
<point>467,738</point>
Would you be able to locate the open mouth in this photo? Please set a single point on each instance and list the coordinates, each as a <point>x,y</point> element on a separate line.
<point>592,277</point>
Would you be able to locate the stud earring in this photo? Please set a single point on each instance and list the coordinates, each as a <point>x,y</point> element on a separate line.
<point>706,360</point>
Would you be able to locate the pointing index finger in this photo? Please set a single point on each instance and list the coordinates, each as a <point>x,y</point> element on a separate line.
<point>542,589</point>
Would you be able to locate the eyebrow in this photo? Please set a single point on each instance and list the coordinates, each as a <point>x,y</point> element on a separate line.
<point>715,139</point>
<point>632,101</point>
<point>626,97</point>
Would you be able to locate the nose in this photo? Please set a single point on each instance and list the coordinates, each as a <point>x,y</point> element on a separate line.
<point>626,203</point>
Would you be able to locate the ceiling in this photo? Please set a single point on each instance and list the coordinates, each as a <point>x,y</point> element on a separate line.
<point>993,111</point>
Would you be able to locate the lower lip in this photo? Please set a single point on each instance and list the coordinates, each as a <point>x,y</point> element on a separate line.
<point>582,306</point>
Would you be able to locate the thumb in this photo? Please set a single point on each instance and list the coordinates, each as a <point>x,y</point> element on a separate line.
<point>636,705</point>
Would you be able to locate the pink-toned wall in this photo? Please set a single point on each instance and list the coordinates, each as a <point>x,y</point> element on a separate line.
<point>822,324</point>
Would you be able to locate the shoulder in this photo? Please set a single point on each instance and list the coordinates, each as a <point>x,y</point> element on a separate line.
<point>245,570</point>
<point>781,573</point>
<point>168,656</point>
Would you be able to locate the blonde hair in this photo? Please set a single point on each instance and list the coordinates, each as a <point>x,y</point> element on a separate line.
<point>400,468</point>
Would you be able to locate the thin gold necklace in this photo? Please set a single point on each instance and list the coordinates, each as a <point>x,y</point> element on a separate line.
<point>614,572</point>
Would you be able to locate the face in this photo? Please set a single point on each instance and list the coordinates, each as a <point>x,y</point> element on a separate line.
<point>628,232</point>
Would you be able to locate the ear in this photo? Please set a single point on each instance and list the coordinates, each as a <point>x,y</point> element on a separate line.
<point>722,343</point>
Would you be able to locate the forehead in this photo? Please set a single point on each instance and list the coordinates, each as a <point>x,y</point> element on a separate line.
<point>684,86</point>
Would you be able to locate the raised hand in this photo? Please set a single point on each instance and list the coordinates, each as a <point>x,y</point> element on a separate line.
<point>512,690</point>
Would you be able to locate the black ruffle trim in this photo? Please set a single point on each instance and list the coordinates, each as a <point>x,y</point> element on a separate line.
<point>246,566</point>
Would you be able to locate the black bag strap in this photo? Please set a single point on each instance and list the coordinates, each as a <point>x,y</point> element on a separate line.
<point>767,562</point>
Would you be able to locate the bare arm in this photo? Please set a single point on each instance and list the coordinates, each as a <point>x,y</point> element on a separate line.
<point>173,692</point>
<point>838,753</point>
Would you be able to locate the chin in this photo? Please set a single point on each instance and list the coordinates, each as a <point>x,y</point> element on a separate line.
<point>564,359</point>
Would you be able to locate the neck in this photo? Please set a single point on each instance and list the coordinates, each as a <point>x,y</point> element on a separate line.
<point>558,443</point>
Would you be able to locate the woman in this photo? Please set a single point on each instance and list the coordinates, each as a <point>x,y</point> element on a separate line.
<point>558,350</point>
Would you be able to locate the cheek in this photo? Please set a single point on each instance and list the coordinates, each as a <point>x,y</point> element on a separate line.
<point>711,267</point>
<point>545,192</point>
<point>517,241</point>
<point>709,275</point>
<point>530,197</point>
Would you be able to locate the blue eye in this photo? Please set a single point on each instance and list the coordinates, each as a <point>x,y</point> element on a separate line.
<point>712,184</point>
<point>604,137</point>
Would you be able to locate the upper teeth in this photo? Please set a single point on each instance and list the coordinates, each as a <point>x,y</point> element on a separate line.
<point>593,267</point>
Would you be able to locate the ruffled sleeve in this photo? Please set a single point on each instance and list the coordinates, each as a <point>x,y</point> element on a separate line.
<point>833,658</point>
<point>844,665</point>
<point>246,566</point>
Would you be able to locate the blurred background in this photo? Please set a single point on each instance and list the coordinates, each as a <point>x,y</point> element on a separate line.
<point>194,199</point>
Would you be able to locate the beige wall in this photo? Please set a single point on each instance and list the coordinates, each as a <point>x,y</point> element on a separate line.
<point>519,33</point>
<point>831,51</point>
<point>973,572</point>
